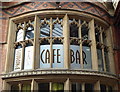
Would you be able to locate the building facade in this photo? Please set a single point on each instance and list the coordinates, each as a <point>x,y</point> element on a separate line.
<point>57,46</point>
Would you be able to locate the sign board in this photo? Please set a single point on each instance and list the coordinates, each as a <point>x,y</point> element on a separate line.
<point>18,59</point>
<point>58,57</point>
<point>28,60</point>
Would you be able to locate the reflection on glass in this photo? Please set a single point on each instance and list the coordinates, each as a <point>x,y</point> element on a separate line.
<point>73,30</point>
<point>57,87</point>
<point>14,88</point>
<point>107,61</point>
<point>57,30</point>
<point>28,59</point>
<point>20,35</point>
<point>45,30</point>
<point>76,87</point>
<point>89,87</point>
<point>75,57</point>
<point>87,62</point>
<point>84,32</point>
<point>26,88</point>
<point>100,60</point>
<point>103,88</point>
<point>97,36</point>
<point>29,33</point>
<point>43,87</point>
<point>58,56</point>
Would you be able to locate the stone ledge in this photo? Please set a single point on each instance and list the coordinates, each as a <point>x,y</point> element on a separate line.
<point>58,72</point>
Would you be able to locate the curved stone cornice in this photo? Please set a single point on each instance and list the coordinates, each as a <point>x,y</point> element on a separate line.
<point>57,72</point>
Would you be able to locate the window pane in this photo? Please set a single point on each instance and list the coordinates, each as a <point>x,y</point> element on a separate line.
<point>57,30</point>
<point>28,60</point>
<point>75,56</point>
<point>45,30</point>
<point>18,59</point>
<point>58,56</point>
<point>14,88</point>
<point>26,88</point>
<point>29,33</point>
<point>107,61</point>
<point>73,30</point>
<point>43,87</point>
<point>100,60</point>
<point>87,57</point>
<point>58,87</point>
<point>45,56</point>
<point>84,32</point>
<point>103,88</point>
<point>20,35</point>
<point>110,89</point>
<point>76,87</point>
<point>89,88</point>
<point>97,36</point>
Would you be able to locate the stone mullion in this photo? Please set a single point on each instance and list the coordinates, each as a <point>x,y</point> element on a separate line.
<point>103,56</point>
<point>50,40</point>
<point>66,43</point>
<point>67,85</point>
<point>83,87</point>
<point>97,85</point>
<point>36,45</point>
<point>93,45</point>
<point>20,87</point>
<point>23,48</point>
<point>80,37</point>
<point>34,85</point>
<point>10,51</point>
<point>110,49</point>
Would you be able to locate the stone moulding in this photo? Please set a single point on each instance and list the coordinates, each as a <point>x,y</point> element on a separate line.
<point>58,72</point>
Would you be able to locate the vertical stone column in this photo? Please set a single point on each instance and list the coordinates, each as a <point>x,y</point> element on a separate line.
<point>83,87</point>
<point>110,51</point>
<point>10,47</point>
<point>93,46</point>
<point>34,86</point>
<point>6,86</point>
<point>36,45</point>
<point>66,42</point>
<point>97,86</point>
<point>67,85</point>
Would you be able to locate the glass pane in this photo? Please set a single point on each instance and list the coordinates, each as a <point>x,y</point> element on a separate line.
<point>20,35</point>
<point>45,56</point>
<point>89,88</point>
<point>84,32</point>
<point>18,59</point>
<point>76,87</point>
<point>100,60</point>
<point>28,60</point>
<point>14,88</point>
<point>45,30</point>
<point>57,87</point>
<point>107,61</point>
<point>110,89</point>
<point>26,88</point>
<point>104,38</point>
<point>58,56</point>
<point>43,87</point>
<point>73,30</point>
<point>97,36</point>
<point>103,88</point>
<point>75,56</point>
<point>29,33</point>
<point>57,30</point>
<point>87,62</point>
